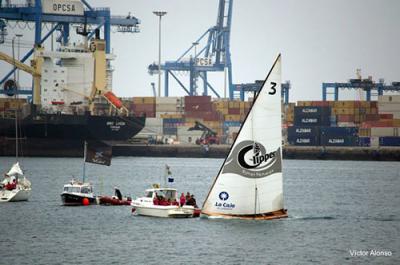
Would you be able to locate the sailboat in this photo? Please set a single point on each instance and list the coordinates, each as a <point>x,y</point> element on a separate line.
<point>249,183</point>
<point>15,186</point>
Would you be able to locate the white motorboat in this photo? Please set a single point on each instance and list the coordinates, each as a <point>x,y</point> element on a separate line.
<point>161,202</point>
<point>15,187</point>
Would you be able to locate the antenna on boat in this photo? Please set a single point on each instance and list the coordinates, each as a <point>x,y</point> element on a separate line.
<point>84,162</point>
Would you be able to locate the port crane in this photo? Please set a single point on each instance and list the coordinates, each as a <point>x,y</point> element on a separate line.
<point>34,11</point>
<point>256,86</point>
<point>366,85</point>
<point>211,54</point>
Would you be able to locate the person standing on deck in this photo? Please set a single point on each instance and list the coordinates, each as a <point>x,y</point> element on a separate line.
<point>182,199</point>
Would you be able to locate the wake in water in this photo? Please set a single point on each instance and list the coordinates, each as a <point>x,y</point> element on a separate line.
<point>312,217</point>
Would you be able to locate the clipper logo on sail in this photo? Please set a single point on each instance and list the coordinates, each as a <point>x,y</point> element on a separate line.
<point>251,159</point>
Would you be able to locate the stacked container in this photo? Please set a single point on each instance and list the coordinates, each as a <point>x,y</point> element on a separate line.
<point>169,105</point>
<point>339,136</point>
<point>304,135</point>
<point>312,116</point>
<point>144,106</point>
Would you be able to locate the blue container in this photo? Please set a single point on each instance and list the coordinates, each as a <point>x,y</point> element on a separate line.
<point>170,130</point>
<point>339,140</point>
<point>231,124</point>
<point>304,141</point>
<point>389,141</point>
<point>364,141</point>
<point>303,120</point>
<point>173,121</point>
<point>339,131</point>
<point>312,111</point>
<point>300,131</point>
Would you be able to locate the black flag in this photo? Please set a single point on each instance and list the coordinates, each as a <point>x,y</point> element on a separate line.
<point>98,153</point>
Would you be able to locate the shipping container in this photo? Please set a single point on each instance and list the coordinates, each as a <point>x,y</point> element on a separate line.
<point>389,99</point>
<point>345,118</point>
<point>144,100</point>
<point>197,99</point>
<point>234,111</point>
<point>381,123</point>
<point>304,141</point>
<point>389,141</point>
<point>365,132</point>
<point>312,111</point>
<point>196,106</point>
<point>339,140</point>
<point>231,124</point>
<point>364,141</point>
<point>384,131</point>
<point>170,130</point>
<point>300,131</point>
<point>305,120</point>
<point>338,131</point>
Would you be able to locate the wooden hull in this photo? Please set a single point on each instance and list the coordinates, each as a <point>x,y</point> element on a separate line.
<point>266,216</point>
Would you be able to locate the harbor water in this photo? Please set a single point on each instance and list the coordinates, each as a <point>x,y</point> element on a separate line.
<point>335,207</point>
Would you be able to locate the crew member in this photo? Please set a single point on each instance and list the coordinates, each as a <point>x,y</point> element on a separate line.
<point>182,199</point>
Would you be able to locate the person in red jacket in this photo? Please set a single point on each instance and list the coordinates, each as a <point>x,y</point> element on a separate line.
<point>182,199</point>
<point>156,201</point>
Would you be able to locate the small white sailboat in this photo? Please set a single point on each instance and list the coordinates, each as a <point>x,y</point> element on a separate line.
<point>249,183</point>
<point>15,187</point>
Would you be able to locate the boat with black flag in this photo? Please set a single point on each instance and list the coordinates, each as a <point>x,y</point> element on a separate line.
<point>76,193</point>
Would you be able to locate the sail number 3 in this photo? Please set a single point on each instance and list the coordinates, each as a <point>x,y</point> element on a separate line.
<point>273,89</point>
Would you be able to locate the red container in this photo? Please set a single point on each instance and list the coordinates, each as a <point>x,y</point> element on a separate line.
<point>345,118</point>
<point>197,99</point>
<point>234,111</point>
<point>144,107</point>
<point>386,116</point>
<point>190,107</point>
<point>381,123</point>
<point>371,117</point>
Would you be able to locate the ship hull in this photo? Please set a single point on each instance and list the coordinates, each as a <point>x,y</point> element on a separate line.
<point>74,127</point>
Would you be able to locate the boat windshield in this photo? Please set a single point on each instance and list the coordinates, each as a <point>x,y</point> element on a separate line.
<point>86,190</point>
<point>167,194</point>
<point>149,194</point>
<point>72,189</point>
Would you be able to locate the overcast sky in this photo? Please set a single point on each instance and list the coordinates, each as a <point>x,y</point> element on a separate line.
<point>320,41</point>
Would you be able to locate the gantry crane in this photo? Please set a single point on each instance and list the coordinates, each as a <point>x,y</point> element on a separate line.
<point>36,11</point>
<point>214,56</point>
<point>367,85</point>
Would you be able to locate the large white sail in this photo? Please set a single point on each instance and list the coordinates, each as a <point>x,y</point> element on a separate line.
<point>250,180</point>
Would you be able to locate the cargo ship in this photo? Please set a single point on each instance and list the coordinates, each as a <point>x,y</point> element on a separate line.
<point>72,98</point>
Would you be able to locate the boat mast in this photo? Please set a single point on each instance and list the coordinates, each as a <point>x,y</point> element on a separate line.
<point>16,109</point>
<point>84,162</point>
